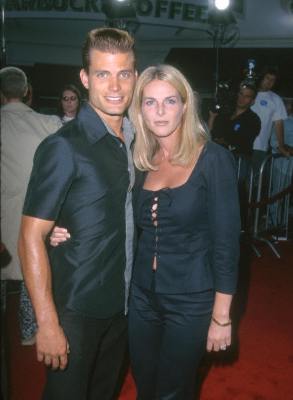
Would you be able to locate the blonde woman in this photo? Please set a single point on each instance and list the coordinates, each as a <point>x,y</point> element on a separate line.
<point>186,210</point>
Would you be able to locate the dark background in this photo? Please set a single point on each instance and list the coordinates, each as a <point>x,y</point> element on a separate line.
<point>198,64</point>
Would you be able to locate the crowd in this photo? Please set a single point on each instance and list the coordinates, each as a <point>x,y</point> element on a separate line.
<point>126,219</point>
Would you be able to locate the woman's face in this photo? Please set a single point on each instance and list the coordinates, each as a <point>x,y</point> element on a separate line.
<point>162,108</point>
<point>69,103</point>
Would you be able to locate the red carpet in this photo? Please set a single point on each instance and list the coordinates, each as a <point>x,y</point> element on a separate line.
<point>259,366</point>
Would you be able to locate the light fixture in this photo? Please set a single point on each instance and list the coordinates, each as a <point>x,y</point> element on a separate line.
<point>220,13</point>
<point>222,4</point>
<point>117,9</point>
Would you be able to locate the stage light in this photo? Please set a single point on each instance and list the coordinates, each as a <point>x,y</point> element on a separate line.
<point>222,4</point>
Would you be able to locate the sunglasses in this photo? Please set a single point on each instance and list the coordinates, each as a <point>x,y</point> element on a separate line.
<point>67,98</point>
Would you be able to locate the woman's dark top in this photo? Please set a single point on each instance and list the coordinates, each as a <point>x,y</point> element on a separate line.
<point>196,240</point>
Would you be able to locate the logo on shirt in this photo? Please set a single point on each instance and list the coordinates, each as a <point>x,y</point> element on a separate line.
<point>236,127</point>
<point>263,103</point>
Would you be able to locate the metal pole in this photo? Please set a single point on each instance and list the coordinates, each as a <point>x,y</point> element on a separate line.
<point>3,39</point>
<point>218,40</point>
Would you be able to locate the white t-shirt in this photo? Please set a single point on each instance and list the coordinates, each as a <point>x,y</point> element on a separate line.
<point>269,107</point>
<point>66,119</point>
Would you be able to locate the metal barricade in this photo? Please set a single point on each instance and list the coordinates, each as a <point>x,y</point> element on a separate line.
<point>269,201</point>
<point>245,186</point>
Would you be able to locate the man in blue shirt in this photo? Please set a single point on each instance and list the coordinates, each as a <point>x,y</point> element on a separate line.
<point>271,111</point>
<point>282,174</point>
<point>82,179</point>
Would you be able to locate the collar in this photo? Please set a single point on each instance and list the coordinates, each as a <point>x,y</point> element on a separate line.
<point>92,124</point>
<point>95,128</point>
<point>16,106</point>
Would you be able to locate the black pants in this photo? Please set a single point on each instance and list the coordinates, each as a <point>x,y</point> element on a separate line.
<point>97,353</point>
<point>167,339</point>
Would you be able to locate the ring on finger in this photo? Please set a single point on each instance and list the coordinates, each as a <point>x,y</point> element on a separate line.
<point>223,347</point>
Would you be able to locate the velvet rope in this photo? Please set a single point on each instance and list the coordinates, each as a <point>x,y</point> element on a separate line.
<point>272,199</point>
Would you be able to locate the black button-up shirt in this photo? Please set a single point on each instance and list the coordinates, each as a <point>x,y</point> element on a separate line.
<point>81,180</point>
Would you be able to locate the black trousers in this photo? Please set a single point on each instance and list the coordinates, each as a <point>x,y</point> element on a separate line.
<point>167,339</point>
<point>97,354</point>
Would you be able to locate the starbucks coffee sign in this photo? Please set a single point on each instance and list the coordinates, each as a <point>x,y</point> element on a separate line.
<point>180,11</point>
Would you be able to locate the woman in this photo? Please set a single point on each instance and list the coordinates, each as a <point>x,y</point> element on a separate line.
<point>69,103</point>
<point>186,210</point>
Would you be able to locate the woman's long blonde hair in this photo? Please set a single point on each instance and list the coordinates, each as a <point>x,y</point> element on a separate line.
<point>193,133</point>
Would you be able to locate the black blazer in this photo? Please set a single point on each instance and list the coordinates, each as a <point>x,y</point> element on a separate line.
<point>197,238</point>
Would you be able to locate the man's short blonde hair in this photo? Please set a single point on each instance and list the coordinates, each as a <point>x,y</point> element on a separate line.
<point>107,40</point>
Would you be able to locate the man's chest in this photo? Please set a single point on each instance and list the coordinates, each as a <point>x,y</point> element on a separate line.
<point>264,107</point>
<point>100,168</point>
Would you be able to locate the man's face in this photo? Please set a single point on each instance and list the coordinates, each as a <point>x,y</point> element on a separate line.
<point>110,82</point>
<point>245,98</point>
<point>268,82</point>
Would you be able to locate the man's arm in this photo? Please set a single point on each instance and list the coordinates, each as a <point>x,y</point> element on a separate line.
<point>279,127</point>
<point>52,344</point>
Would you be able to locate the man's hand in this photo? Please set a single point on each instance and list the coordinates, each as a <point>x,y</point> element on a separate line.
<point>52,346</point>
<point>284,150</point>
<point>282,147</point>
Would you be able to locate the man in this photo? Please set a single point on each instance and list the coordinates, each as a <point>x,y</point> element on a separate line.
<point>82,180</point>
<point>239,129</point>
<point>288,129</point>
<point>271,111</point>
<point>22,131</point>
<point>282,174</point>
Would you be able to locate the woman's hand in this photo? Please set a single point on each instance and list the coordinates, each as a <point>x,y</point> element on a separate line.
<point>219,337</point>
<point>219,334</point>
<point>58,236</point>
